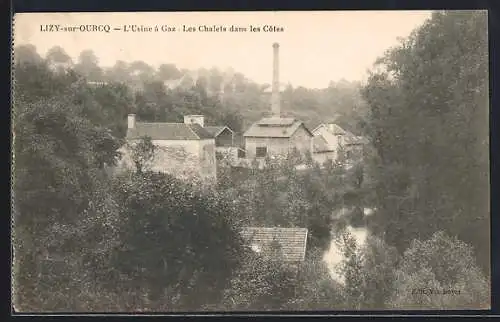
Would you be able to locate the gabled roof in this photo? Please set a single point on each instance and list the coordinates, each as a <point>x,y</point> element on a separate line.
<point>320,144</point>
<point>292,241</point>
<point>168,131</point>
<point>333,128</point>
<point>275,127</point>
<point>216,130</point>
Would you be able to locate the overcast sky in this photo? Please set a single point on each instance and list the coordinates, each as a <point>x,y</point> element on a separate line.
<point>315,47</point>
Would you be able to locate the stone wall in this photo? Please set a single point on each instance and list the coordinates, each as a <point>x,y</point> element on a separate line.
<point>184,159</point>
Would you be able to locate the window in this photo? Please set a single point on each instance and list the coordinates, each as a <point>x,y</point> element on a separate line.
<point>260,152</point>
<point>241,153</point>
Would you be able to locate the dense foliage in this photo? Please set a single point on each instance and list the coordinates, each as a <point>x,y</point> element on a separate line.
<point>444,270</point>
<point>282,194</point>
<point>438,273</point>
<point>429,116</point>
<point>65,218</point>
<point>178,243</point>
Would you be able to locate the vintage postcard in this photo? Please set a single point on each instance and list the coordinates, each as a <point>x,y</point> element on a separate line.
<point>250,161</point>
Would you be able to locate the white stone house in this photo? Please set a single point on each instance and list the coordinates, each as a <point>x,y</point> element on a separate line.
<point>185,150</point>
<point>331,139</point>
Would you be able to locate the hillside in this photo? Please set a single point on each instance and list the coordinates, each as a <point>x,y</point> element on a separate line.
<point>226,97</point>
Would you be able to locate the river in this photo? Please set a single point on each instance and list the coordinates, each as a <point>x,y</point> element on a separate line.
<point>333,256</point>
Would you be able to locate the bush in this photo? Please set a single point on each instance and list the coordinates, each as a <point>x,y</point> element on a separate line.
<point>260,285</point>
<point>178,243</point>
<point>367,271</point>
<point>439,273</point>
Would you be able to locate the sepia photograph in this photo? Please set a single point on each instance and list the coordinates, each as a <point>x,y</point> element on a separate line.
<point>271,161</point>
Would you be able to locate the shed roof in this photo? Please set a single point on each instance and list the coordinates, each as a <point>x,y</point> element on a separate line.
<point>169,131</point>
<point>275,127</point>
<point>292,241</point>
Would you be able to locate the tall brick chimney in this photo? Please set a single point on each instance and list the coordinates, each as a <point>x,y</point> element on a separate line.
<point>275,96</point>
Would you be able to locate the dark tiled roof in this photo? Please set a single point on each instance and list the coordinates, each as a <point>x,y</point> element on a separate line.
<point>168,131</point>
<point>291,241</point>
<point>200,131</point>
<point>275,128</point>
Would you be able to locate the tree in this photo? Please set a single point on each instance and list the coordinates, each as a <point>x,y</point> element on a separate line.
<point>168,72</point>
<point>119,72</point>
<point>142,153</point>
<point>432,179</point>
<point>260,284</point>
<point>215,80</point>
<point>140,71</point>
<point>26,54</point>
<point>114,102</point>
<point>440,273</point>
<point>351,271</point>
<point>379,262</point>
<point>57,54</point>
<point>368,271</point>
<point>180,246</point>
<point>64,217</point>
<point>88,66</point>
<point>315,289</point>
<point>153,103</point>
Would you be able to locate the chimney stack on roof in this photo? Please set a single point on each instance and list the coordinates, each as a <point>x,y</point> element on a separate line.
<point>275,98</point>
<point>131,121</point>
<point>195,119</point>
